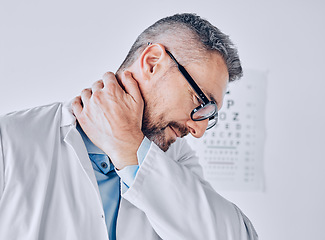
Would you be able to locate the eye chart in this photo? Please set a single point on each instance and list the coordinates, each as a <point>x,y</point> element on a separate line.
<point>231,153</point>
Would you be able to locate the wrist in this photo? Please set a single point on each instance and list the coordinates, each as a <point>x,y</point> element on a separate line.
<point>125,152</point>
<point>125,161</point>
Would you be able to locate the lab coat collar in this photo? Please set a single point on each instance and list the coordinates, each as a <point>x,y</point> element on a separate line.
<point>73,138</point>
<point>68,117</point>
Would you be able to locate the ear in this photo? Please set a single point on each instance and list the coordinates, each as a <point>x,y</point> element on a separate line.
<point>152,60</point>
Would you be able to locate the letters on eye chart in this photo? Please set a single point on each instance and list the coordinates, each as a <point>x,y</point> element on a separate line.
<point>231,153</point>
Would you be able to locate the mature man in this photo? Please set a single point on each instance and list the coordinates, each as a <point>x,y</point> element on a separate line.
<point>106,165</point>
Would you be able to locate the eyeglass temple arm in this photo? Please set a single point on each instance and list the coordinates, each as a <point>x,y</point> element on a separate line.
<point>190,80</point>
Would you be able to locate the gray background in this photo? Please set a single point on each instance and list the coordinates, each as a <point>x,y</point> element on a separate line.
<point>51,50</point>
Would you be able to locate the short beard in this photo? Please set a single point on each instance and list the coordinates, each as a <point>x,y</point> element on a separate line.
<point>156,132</point>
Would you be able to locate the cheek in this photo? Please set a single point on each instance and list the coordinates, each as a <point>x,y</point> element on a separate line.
<point>181,111</point>
<point>173,102</point>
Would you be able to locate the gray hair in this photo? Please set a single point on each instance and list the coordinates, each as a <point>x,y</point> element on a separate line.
<point>189,36</point>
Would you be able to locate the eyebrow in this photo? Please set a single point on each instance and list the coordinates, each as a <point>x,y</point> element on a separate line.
<point>212,98</point>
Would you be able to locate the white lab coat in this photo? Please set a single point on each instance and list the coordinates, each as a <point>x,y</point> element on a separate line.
<point>48,189</point>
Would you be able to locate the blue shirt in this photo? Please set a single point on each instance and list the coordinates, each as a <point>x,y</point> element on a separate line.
<point>108,178</point>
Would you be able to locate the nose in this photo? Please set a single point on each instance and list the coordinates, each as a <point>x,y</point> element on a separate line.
<point>197,128</point>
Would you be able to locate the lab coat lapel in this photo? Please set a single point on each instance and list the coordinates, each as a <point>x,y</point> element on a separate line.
<point>74,140</point>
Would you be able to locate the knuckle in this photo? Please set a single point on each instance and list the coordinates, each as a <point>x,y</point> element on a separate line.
<point>74,105</point>
<point>99,82</point>
<point>85,91</point>
<point>97,96</point>
<point>110,86</point>
<point>76,101</point>
<point>109,75</point>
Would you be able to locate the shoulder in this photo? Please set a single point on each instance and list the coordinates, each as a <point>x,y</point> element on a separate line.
<point>30,121</point>
<point>22,115</point>
<point>30,113</point>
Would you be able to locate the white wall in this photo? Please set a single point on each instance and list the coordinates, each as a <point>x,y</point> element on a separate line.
<point>50,51</point>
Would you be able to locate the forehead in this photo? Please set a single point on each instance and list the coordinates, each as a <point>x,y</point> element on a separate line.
<point>212,76</point>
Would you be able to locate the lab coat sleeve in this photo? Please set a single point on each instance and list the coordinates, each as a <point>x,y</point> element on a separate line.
<point>180,204</point>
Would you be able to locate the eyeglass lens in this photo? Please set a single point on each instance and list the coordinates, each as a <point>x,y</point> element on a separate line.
<point>211,123</point>
<point>204,112</point>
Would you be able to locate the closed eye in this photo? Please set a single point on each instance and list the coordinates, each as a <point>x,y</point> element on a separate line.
<point>198,100</point>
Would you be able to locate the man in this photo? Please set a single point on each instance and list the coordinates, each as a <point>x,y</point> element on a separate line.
<point>113,164</point>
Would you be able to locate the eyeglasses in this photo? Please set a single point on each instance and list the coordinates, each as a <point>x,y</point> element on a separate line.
<point>208,109</point>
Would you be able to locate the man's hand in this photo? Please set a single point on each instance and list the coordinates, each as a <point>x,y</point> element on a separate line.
<point>112,117</point>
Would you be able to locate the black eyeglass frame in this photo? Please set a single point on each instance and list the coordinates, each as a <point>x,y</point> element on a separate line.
<point>198,91</point>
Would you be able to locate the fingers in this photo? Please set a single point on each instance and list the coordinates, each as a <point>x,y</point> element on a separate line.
<point>97,86</point>
<point>131,86</point>
<point>86,95</point>
<point>79,102</point>
<point>111,85</point>
<point>108,89</point>
<point>77,106</point>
